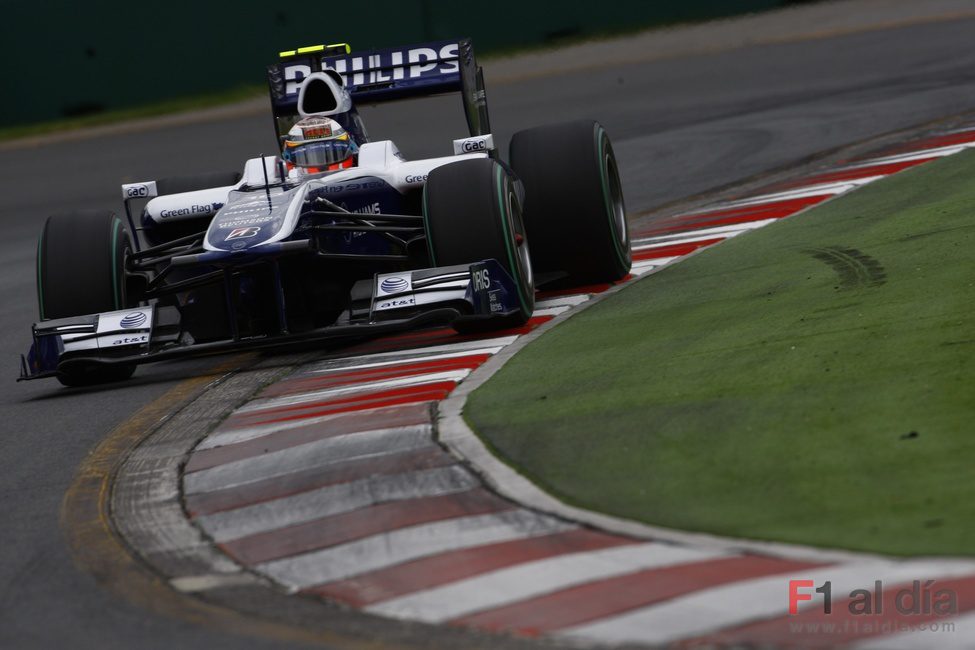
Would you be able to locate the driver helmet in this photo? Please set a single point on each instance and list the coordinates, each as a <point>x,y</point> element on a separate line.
<point>319,144</point>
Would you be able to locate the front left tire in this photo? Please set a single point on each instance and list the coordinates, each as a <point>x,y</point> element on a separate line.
<point>472,213</point>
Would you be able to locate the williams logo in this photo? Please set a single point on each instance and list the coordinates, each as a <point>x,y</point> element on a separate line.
<point>241,233</point>
<point>135,319</point>
<point>394,285</point>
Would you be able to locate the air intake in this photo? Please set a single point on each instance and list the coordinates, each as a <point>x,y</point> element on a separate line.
<point>321,94</point>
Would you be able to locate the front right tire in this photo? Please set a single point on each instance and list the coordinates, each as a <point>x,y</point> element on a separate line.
<point>80,271</point>
<point>574,209</point>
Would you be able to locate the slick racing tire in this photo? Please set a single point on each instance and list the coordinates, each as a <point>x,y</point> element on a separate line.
<point>91,375</point>
<point>574,210</point>
<point>472,213</point>
<point>80,271</point>
<point>179,184</point>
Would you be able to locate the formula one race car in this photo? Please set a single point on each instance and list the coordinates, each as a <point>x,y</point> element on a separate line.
<point>340,237</point>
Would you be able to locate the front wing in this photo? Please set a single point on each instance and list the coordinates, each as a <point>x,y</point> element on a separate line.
<point>390,302</point>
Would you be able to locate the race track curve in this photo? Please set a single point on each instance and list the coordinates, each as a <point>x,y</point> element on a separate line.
<point>680,126</point>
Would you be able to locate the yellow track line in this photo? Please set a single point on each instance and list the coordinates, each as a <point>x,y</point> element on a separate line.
<point>97,548</point>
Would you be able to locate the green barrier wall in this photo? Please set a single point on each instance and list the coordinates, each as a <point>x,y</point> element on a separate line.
<point>68,58</point>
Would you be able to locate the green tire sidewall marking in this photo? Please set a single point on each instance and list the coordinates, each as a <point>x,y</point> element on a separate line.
<point>508,237</point>
<point>40,282</point>
<point>116,228</point>
<point>426,225</point>
<point>607,198</point>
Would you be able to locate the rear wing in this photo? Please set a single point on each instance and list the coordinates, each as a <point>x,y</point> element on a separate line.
<point>383,75</point>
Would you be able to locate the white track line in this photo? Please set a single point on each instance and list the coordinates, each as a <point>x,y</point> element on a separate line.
<point>639,268</point>
<point>710,610</point>
<point>510,585</point>
<point>243,434</point>
<point>559,301</point>
<point>686,239</point>
<point>336,499</point>
<point>379,385</point>
<point>660,261</point>
<point>417,352</point>
<point>350,446</point>
<point>938,152</point>
<point>706,233</point>
<point>549,311</point>
<point>388,549</point>
<point>364,363</point>
<point>808,191</point>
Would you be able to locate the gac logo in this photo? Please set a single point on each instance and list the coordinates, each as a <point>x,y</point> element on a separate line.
<point>136,191</point>
<point>482,280</point>
<point>471,146</point>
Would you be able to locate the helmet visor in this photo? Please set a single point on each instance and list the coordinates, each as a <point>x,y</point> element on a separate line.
<point>318,153</point>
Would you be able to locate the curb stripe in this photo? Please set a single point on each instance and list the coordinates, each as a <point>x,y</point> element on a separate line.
<point>342,377</point>
<point>734,216</point>
<point>480,346</point>
<point>314,477</point>
<point>388,549</point>
<point>803,191</point>
<point>846,627</point>
<point>570,300</point>
<point>911,155</point>
<point>438,570</point>
<point>881,169</point>
<point>687,238</point>
<point>335,499</point>
<point>354,389</point>
<point>508,587</point>
<point>438,337</point>
<point>369,401</point>
<point>226,435</point>
<point>674,250</point>
<point>963,137</point>
<point>749,600</point>
<point>610,596</point>
<point>365,522</point>
<point>397,416</point>
<point>723,231</point>
<point>320,453</point>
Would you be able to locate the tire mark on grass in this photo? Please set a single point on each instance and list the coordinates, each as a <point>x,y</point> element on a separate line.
<point>856,269</point>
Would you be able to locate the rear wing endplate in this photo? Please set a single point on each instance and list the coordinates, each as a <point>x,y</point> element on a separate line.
<point>385,75</point>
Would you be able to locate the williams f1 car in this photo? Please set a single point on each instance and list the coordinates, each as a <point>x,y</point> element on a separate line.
<point>278,255</point>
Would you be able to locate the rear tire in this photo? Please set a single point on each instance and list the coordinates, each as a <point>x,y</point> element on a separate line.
<point>472,213</point>
<point>81,271</point>
<point>574,209</point>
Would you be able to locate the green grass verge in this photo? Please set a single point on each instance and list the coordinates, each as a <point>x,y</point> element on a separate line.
<point>156,109</point>
<point>810,382</point>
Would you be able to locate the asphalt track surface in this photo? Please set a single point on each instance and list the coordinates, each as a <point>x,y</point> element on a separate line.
<point>680,126</point>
